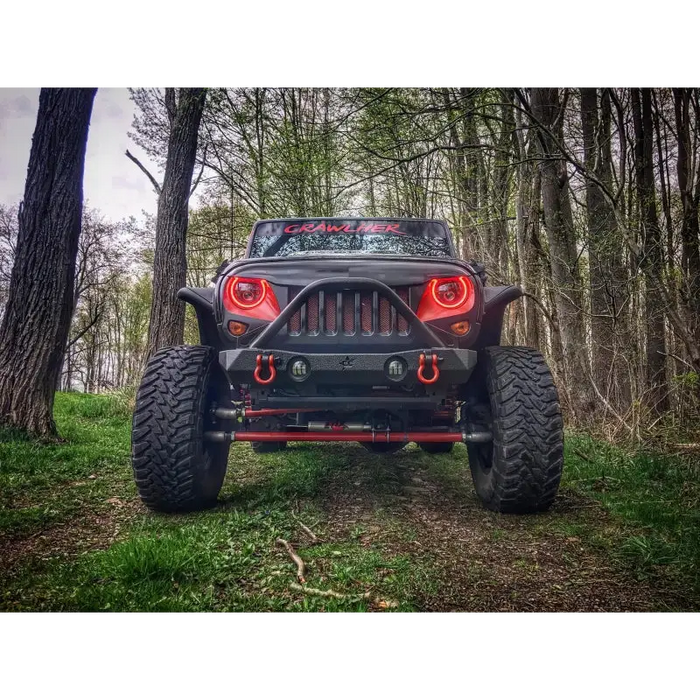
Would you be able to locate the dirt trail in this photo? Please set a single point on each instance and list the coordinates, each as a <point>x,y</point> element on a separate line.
<point>485,561</point>
<point>416,505</point>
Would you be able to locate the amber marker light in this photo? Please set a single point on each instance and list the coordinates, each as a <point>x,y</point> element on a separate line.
<point>237,328</point>
<point>460,328</point>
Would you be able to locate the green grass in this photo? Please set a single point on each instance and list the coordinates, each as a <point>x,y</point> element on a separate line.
<point>77,538</point>
<point>45,484</point>
<point>655,496</point>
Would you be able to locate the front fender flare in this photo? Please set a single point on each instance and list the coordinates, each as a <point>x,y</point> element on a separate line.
<point>202,299</point>
<point>495,301</point>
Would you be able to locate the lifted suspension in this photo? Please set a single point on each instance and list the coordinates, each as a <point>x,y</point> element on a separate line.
<point>376,436</point>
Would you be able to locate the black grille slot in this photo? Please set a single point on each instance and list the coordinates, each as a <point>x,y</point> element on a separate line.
<point>347,313</point>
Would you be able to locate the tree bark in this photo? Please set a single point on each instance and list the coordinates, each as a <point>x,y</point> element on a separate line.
<point>498,239</point>
<point>464,165</point>
<point>35,327</point>
<point>652,259</point>
<point>527,212</point>
<point>607,274</point>
<point>690,198</point>
<point>548,112</point>
<point>167,324</point>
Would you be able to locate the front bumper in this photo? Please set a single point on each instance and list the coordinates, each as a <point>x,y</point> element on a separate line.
<point>368,370</point>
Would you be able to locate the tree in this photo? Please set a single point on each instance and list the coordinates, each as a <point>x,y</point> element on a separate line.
<point>606,271</point>
<point>652,260</point>
<point>8,245</point>
<point>170,263</point>
<point>37,318</point>
<point>687,168</point>
<point>549,113</point>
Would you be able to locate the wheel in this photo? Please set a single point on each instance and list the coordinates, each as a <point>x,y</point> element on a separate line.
<point>383,448</point>
<point>519,471</point>
<point>174,468</point>
<point>436,448</point>
<point>263,448</point>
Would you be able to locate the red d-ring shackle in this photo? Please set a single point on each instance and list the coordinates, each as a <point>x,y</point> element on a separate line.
<point>271,367</point>
<point>421,367</point>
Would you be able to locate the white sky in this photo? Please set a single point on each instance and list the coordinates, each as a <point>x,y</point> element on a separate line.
<point>113,184</point>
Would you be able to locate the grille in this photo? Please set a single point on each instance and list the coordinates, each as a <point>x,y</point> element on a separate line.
<point>330,313</point>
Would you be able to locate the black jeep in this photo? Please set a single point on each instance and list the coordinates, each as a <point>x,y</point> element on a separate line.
<point>360,330</point>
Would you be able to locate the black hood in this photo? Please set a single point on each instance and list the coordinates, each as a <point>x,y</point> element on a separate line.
<point>391,270</point>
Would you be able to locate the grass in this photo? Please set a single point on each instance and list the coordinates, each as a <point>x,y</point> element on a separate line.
<point>43,484</point>
<point>396,533</point>
<point>656,496</point>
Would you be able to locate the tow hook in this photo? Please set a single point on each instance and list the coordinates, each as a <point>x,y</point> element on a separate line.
<point>271,367</point>
<point>421,370</point>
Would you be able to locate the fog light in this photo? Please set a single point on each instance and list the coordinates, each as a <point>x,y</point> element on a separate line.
<point>299,368</point>
<point>237,328</point>
<point>395,368</point>
<point>460,328</point>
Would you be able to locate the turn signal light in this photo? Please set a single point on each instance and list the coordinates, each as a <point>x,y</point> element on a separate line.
<point>460,328</point>
<point>237,328</point>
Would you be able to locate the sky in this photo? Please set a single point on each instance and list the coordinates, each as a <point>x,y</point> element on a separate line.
<point>113,184</point>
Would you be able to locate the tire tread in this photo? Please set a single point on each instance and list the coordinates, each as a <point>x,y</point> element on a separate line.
<point>171,468</point>
<point>528,449</point>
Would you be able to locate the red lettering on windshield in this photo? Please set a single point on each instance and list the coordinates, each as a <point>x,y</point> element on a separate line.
<point>362,227</point>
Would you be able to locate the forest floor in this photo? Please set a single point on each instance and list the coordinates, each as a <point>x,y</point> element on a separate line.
<point>404,532</point>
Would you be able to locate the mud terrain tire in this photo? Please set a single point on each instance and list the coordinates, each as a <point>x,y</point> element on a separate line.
<point>174,469</point>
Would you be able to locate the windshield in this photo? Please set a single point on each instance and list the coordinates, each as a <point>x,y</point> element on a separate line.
<point>350,236</point>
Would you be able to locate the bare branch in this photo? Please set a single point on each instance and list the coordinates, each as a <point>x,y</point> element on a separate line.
<point>144,170</point>
<point>330,593</point>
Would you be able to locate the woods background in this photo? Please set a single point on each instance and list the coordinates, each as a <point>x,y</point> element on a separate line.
<point>586,198</point>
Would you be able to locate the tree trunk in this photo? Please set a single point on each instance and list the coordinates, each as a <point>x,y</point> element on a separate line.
<point>498,239</point>
<point>527,230</point>
<point>652,259</point>
<point>558,220</point>
<point>167,324</point>
<point>35,327</point>
<point>690,199</point>
<point>607,275</point>
<point>465,165</point>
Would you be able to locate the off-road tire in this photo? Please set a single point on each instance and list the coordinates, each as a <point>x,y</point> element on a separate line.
<point>174,468</point>
<point>436,448</point>
<point>263,448</point>
<point>520,471</point>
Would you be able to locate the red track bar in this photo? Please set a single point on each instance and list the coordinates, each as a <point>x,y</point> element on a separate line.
<point>331,436</point>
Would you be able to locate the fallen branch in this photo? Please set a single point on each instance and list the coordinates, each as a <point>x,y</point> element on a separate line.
<point>301,567</point>
<point>312,537</point>
<point>330,593</point>
<point>307,530</point>
<point>383,604</point>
